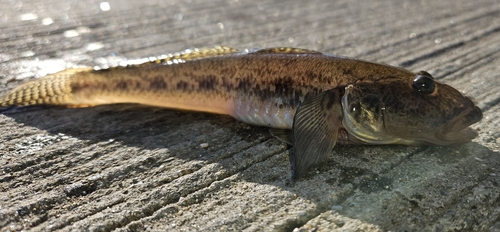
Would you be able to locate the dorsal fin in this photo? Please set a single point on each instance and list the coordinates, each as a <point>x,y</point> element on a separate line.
<point>192,54</point>
<point>285,50</point>
<point>70,72</point>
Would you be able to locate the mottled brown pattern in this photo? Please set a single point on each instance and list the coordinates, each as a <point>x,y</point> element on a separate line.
<point>215,80</point>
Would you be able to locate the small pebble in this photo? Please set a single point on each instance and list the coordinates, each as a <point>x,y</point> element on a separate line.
<point>204,145</point>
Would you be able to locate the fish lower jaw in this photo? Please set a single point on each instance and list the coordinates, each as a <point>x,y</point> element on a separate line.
<point>456,137</point>
<point>379,141</point>
<point>359,137</point>
<point>373,137</point>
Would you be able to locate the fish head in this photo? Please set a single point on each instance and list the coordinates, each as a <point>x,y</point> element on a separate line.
<point>414,110</point>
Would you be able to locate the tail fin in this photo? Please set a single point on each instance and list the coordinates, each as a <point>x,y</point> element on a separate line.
<point>54,89</point>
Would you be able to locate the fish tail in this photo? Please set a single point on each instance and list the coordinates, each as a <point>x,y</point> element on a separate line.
<point>54,89</point>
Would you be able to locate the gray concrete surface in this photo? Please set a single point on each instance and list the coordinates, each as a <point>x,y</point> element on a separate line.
<point>134,169</point>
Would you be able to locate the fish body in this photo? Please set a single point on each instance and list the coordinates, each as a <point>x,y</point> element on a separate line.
<point>320,98</point>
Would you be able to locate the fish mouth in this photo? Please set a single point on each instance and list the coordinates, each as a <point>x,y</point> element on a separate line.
<point>457,130</point>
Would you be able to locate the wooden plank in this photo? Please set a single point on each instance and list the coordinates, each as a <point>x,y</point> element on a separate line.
<point>110,168</point>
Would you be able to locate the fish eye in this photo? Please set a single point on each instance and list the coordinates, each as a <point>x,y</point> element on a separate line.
<point>424,73</point>
<point>423,83</point>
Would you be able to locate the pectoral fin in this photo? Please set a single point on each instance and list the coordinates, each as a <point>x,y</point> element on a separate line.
<point>315,131</point>
<point>282,134</point>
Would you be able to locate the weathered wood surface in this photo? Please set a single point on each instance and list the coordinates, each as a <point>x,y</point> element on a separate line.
<point>106,168</point>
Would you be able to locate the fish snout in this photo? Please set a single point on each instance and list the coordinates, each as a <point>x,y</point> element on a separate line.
<point>457,130</point>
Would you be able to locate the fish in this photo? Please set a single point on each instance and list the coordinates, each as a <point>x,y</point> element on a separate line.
<point>310,100</point>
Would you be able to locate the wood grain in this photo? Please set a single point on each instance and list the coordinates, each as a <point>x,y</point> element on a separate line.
<point>127,168</point>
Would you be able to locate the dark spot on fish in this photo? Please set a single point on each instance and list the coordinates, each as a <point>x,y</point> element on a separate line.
<point>76,87</point>
<point>282,85</point>
<point>121,85</point>
<point>182,85</point>
<point>243,85</point>
<point>348,72</point>
<point>208,82</point>
<point>280,88</point>
<point>334,97</point>
<point>158,83</point>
